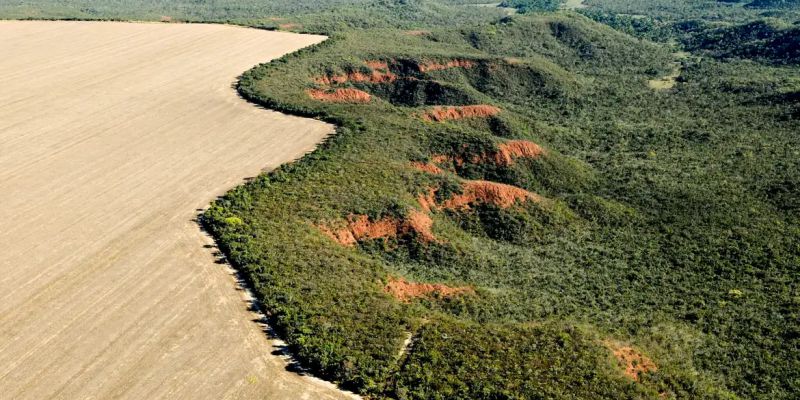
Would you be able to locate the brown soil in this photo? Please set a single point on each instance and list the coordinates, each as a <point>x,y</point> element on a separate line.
<point>442,113</point>
<point>510,150</point>
<point>373,77</point>
<point>377,64</point>
<point>426,167</point>
<point>434,66</point>
<point>632,361</point>
<point>345,95</point>
<point>501,195</point>
<point>406,291</point>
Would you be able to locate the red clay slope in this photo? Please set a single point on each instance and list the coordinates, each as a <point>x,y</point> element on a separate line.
<point>359,228</point>
<point>435,66</point>
<point>406,291</point>
<point>443,113</point>
<point>345,95</point>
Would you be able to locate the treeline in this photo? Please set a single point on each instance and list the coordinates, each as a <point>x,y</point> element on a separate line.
<point>526,6</point>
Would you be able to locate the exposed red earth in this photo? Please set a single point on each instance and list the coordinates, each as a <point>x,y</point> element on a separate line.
<point>359,227</point>
<point>632,361</point>
<point>406,291</point>
<point>438,66</point>
<point>498,194</point>
<point>373,77</point>
<point>479,192</point>
<point>449,113</point>
<point>513,149</point>
<point>342,95</point>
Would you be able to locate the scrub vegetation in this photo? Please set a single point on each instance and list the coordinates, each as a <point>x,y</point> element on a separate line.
<point>509,193</point>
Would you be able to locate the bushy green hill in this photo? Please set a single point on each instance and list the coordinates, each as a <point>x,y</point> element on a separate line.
<point>768,41</point>
<point>773,4</point>
<point>508,210</point>
<point>664,225</point>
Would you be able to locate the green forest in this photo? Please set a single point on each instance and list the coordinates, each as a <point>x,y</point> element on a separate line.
<point>523,201</point>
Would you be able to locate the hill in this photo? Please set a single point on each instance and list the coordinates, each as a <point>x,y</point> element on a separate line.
<point>508,210</point>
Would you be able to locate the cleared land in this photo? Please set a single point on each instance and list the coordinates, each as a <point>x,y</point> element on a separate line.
<point>112,135</point>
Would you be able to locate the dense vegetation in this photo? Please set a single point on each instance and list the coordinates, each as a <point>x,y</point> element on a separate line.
<point>661,223</point>
<point>526,6</point>
<point>672,228</point>
<point>761,40</point>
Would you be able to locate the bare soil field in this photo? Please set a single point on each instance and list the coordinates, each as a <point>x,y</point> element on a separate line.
<point>112,135</point>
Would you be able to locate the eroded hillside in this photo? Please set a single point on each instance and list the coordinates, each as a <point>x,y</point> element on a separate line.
<point>516,200</point>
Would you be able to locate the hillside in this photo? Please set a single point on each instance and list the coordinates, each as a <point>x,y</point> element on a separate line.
<point>511,209</point>
<point>761,40</point>
<point>507,201</point>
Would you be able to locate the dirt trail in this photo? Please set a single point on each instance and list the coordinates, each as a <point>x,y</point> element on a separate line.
<point>671,79</point>
<point>111,136</point>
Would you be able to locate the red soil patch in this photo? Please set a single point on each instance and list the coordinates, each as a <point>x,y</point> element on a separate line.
<point>406,291</point>
<point>362,228</point>
<point>289,26</point>
<point>373,77</point>
<point>377,64</point>
<point>504,156</point>
<point>444,159</point>
<point>478,192</point>
<point>498,194</point>
<point>359,227</point>
<point>440,158</point>
<point>426,167</point>
<point>340,95</point>
<point>342,236</point>
<point>434,66</point>
<point>427,200</point>
<point>422,224</point>
<point>508,151</point>
<point>439,114</point>
<point>631,360</point>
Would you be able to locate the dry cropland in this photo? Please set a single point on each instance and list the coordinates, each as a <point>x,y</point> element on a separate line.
<point>112,136</point>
